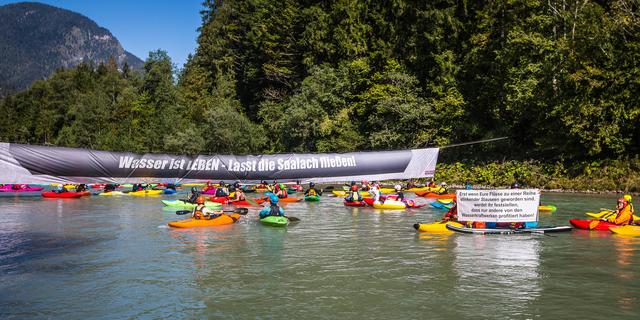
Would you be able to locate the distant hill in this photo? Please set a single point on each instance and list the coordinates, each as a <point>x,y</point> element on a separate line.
<point>36,39</point>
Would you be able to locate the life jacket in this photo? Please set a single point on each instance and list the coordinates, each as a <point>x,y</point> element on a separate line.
<point>274,210</point>
<point>312,192</point>
<point>197,211</point>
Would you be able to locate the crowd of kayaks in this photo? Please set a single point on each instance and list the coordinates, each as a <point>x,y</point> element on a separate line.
<point>595,221</point>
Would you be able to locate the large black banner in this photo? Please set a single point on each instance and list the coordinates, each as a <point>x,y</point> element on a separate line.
<point>21,163</point>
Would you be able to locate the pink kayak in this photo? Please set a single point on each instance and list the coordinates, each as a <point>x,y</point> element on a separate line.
<point>7,188</point>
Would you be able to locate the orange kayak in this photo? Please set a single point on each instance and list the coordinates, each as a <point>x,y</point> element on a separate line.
<point>217,221</point>
<point>428,194</point>
<point>280,200</point>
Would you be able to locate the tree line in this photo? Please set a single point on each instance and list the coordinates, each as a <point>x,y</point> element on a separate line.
<point>558,77</point>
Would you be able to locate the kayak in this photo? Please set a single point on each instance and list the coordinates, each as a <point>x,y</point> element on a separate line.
<point>607,214</point>
<point>387,190</point>
<point>240,203</point>
<point>143,193</point>
<point>390,205</point>
<point>220,220</point>
<point>275,221</point>
<point>441,205</point>
<point>292,190</point>
<point>436,227</point>
<point>29,189</point>
<point>222,200</point>
<point>112,193</point>
<point>210,191</point>
<point>592,224</point>
<point>354,203</point>
<point>626,230</point>
<point>169,191</point>
<point>339,193</point>
<point>445,200</point>
<point>548,208</point>
<point>422,189</point>
<point>51,194</point>
<point>184,204</point>
<point>549,229</point>
<point>280,200</point>
<point>194,184</point>
<point>427,194</point>
<point>312,198</point>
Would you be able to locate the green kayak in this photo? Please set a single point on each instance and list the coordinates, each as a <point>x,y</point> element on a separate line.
<point>183,204</point>
<point>312,198</point>
<point>275,221</point>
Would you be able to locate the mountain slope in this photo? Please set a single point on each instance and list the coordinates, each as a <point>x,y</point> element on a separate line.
<point>36,39</point>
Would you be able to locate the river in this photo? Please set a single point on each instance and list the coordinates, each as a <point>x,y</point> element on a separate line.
<point>115,258</point>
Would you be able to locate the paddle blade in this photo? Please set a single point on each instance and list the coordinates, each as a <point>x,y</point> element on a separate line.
<point>593,224</point>
<point>183,212</point>
<point>292,219</point>
<point>241,211</point>
<point>252,202</point>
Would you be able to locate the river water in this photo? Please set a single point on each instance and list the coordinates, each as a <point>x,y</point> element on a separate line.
<point>114,258</point>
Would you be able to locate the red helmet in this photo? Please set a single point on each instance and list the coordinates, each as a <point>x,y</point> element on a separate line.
<point>623,201</point>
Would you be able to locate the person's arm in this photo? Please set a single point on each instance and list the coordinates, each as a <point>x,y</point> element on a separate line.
<point>622,217</point>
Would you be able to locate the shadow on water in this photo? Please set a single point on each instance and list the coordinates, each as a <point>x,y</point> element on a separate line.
<point>21,251</point>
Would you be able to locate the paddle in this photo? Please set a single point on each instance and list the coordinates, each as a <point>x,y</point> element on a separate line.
<point>292,219</point>
<point>240,211</point>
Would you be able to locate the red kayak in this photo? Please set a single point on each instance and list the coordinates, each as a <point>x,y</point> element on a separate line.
<point>355,203</point>
<point>240,203</point>
<point>592,224</point>
<point>51,194</point>
<point>428,194</point>
<point>222,200</point>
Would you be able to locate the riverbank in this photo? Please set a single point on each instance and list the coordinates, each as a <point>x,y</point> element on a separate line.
<point>611,176</point>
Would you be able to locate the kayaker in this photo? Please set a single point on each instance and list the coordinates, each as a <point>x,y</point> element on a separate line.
<point>171,186</point>
<point>442,189</point>
<point>194,195</point>
<point>624,216</point>
<point>452,214</point>
<point>312,190</point>
<point>60,189</point>
<point>238,193</point>
<point>208,186</point>
<point>273,209</point>
<point>468,185</point>
<point>354,194</point>
<point>281,191</point>
<point>109,187</point>
<point>375,192</point>
<point>222,190</point>
<point>81,187</point>
<point>202,212</point>
<point>432,184</point>
<point>365,185</point>
<point>399,193</point>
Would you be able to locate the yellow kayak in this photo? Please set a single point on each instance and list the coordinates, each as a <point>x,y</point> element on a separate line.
<point>339,193</point>
<point>143,193</point>
<point>422,189</point>
<point>607,214</point>
<point>387,190</point>
<point>548,208</point>
<point>390,205</point>
<point>112,193</point>
<point>193,184</point>
<point>626,230</point>
<point>436,227</point>
<point>445,200</point>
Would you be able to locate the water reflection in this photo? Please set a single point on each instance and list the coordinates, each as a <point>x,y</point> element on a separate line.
<point>625,250</point>
<point>497,268</point>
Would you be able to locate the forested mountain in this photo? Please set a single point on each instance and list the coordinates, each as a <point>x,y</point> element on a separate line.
<point>560,78</point>
<point>36,39</point>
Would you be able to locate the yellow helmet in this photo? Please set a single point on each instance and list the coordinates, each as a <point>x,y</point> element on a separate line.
<point>627,197</point>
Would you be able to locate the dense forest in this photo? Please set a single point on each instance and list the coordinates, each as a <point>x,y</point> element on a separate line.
<point>560,78</point>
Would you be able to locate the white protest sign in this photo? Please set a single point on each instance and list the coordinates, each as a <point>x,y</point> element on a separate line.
<point>504,205</point>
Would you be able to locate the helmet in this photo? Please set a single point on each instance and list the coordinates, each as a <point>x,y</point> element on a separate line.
<point>263,182</point>
<point>312,184</point>
<point>200,200</point>
<point>627,197</point>
<point>282,186</point>
<point>443,184</point>
<point>208,183</point>
<point>353,183</point>
<point>237,184</point>
<point>273,199</point>
<point>194,189</point>
<point>398,187</point>
<point>623,201</point>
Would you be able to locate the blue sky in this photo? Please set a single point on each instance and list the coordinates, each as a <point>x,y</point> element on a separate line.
<point>143,25</point>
